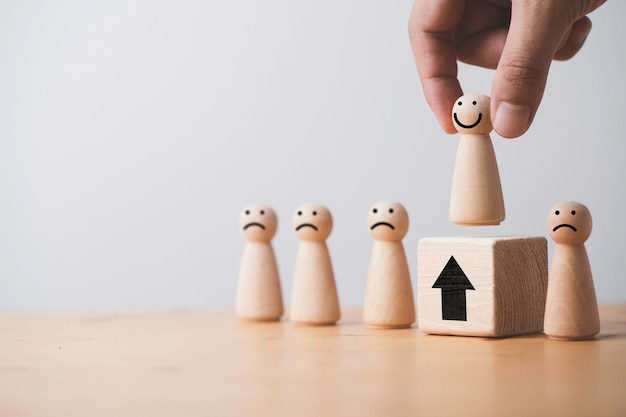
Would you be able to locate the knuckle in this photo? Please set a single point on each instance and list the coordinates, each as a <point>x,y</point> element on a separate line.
<point>522,73</point>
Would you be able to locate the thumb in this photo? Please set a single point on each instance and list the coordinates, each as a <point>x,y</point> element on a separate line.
<point>535,34</point>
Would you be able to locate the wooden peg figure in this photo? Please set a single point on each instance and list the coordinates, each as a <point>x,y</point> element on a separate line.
<point>259,294</point>
<point>476,198</point>
<point>389,301</point>
<point>571,305</point>
<point>314,298</point>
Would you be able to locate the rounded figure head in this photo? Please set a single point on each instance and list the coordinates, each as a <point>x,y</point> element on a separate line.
<point>312,222</point>
<point>388,220</point>
<point>569,223</point>
<point>258,223</point>
<point>470,114</point>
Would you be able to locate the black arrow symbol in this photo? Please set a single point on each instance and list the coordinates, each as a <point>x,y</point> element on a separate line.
<point>453,283</point>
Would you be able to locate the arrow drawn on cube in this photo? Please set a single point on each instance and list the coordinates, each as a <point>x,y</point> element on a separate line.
<point>453,283</point>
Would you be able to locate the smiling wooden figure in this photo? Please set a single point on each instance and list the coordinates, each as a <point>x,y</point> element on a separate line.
<point>389,301</point>
<point>259,294</point>
<point>476,197</point>
<point>314,298</point>
<point>571,305</point>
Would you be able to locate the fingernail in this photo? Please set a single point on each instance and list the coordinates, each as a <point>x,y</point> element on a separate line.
<point>511,119</point>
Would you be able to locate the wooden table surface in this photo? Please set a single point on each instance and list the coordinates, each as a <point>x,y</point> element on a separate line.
<point>211,364</point>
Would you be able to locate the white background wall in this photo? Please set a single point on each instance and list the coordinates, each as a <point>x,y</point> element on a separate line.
<point>132,134</point>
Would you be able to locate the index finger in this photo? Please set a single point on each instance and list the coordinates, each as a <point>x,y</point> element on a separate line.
<point>431,25</point>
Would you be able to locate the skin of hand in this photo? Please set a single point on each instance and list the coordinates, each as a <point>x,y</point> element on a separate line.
<point>517,38</point>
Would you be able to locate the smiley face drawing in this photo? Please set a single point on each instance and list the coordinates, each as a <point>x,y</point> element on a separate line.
<point>569,223</point>
<point>470,114</point>
<point>312,222</point>
<point>388,221</point>
<point>258,223</point>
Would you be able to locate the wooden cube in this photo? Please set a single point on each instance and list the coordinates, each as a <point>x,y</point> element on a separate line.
<point>482,286</point>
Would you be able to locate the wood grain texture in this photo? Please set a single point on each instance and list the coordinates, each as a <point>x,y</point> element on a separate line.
<point>571,306</point>
<point>389,301</point>
<point>211,363</point>
<point>476,197</point>
<point>259,295</point>
<point>509,275</point>
<point>314,298</point>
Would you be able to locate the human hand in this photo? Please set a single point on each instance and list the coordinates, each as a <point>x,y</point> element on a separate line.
<point>518,38</point>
